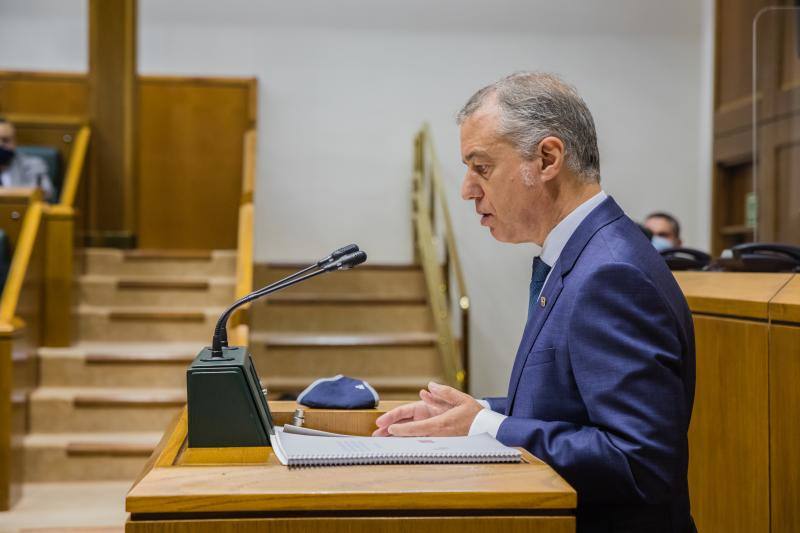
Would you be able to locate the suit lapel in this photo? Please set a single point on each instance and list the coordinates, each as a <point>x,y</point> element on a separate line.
<point>550,294</point>
<point>602,215</point>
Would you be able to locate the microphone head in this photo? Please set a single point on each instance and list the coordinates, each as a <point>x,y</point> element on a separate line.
<point>347,262</point>
<point>336,254</point>
<point>344,250</point>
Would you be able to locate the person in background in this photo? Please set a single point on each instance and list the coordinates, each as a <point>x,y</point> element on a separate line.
<point>19,170</point>
<point>666,230</point>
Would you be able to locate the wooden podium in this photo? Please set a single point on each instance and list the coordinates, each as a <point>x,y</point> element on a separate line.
<point>246,489</point>
<point>744,456</point>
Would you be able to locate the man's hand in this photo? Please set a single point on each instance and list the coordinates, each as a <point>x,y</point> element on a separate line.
<point>443,411</point>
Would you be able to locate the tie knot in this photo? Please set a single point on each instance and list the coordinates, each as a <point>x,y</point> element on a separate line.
<point>540,270</point>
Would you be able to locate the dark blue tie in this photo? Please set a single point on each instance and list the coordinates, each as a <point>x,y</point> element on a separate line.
<point>540,271</point>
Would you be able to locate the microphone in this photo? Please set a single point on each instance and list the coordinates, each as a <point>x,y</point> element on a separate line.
<point>343,258</point>
<point>226,403</point>
<point>336,254</point>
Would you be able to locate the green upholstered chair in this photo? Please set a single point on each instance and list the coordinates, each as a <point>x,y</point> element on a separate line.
<point>52,158</point>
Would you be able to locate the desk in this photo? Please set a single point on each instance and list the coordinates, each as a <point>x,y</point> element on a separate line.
<point>246,489</point>
<point>743,439</point>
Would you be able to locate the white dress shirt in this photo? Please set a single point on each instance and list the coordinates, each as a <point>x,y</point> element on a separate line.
<point>488,421</point>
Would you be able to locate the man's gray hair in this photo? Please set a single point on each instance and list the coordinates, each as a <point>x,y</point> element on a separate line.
<point>535,105</point>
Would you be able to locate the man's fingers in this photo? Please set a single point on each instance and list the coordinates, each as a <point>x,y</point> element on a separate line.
<point>402,412</point>
<point>447,394</point>
<point>381,432</point>
<point>433,401</point>
<point>421,428</point>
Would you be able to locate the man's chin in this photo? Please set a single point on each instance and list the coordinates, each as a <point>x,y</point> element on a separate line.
<point>501,236</point>
<point>498,234</point>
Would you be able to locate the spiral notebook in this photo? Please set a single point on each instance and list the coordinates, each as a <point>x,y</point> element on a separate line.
<point>307,450</point>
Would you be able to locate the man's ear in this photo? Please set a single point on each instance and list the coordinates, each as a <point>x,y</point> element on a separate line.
<point>552,150</point>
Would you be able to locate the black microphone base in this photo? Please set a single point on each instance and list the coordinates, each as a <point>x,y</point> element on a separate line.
<point>226,404</point>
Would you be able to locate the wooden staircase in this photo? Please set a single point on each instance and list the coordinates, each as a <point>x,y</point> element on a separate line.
<point>140,318</point>
<point>372,322</point>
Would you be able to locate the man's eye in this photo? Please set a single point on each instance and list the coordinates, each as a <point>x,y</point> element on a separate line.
<point>480,169</point>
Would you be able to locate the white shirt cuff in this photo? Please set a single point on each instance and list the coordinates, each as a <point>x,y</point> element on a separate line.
<point>486,421</point>
<point>484,404</point>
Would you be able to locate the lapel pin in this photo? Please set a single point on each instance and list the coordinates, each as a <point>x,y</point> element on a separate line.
<point>542,301</point>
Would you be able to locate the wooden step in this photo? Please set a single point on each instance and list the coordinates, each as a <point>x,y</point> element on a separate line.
<point>62,409</point>
<point>110,261</point>
<point>387,280</point>
<point>367,355</point>
<point>300,340</point>
<point>149,324</point>
<point>84,457</point>
<point>327,316</point>
<point>162,291</point>
<point>69,507</point>
<point>119,365</point>
<point>333,298</point>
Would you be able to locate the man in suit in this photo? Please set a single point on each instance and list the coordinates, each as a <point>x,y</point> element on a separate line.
<point>603,382</point>
<point>20,170</point>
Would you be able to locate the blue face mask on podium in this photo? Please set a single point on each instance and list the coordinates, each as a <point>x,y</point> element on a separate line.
<point>6,155</point>
<point>661,243</point>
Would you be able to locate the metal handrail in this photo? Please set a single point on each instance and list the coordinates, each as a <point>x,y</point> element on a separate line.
<point>428,194</point>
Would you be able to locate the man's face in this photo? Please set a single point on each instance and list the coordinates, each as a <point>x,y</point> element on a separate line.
<point>8,138</point>
<point>494,180</point>
<point>662,227</point>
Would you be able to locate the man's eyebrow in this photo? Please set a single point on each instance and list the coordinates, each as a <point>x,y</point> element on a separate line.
<point>473,154</point>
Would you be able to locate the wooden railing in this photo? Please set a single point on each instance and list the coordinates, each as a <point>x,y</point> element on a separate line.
<point>60,220</point>
<point>72,177</point>
<point>239,329</point>
<point>35,307</point>
<point>20,307</point>
<point>23,253</point>
<point>435,250</point>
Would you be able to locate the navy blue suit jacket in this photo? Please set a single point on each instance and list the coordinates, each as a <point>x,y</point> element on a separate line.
<point>603,382</point>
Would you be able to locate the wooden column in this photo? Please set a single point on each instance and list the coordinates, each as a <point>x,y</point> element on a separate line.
<point>113,96</point>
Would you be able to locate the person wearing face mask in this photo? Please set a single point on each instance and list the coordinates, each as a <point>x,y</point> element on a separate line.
<point>666,230</point>
<point>20,170</point>
<point>602,385</point>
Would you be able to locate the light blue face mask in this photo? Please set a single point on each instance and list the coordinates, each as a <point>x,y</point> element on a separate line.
<point>661,243</point>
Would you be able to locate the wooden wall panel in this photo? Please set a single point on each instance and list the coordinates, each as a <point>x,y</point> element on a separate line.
<point>778,98</point>
<point>734,70</point>
<point>787,195</point>
<point>189,149</point>
<point>44,93</point>
<point>789,61</point>
<point>190,160</point>
<point>778,187</point>
<point>729,433</point>
<point>784,379</point>
<point>786,65</point>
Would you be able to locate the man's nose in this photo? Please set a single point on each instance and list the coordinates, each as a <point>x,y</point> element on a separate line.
<point>469,189</point>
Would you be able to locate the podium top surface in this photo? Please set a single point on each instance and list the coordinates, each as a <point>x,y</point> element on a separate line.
<point>242,480</point>
<point>738,294</point>
<point>785,307</point>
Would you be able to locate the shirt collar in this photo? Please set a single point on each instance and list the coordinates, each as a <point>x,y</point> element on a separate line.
<point>558,236</point>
